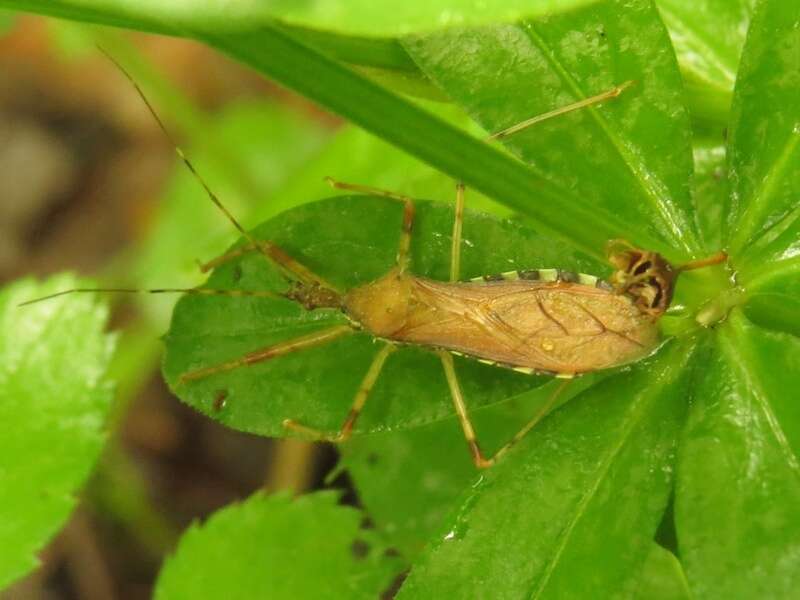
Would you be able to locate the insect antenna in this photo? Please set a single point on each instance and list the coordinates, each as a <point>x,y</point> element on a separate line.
<point>192,291</point>
<point>714,259</point>
<point>270,251</point>
<point>177,148</point>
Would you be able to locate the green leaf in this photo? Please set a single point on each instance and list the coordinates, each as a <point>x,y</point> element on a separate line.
<point>409,480</point>
<point>629,158</point>
<point>383,60</point>
<point>710,191</point>
<point>773,293</point>
<point>557,516</point>
<point>708,36</point>
<point>764,141</point>
<point>8,19</point>
<point>276,547</point>
<point>363,18</point>
<point>54,400</point>
<point>738,488</point>
<point>661,577</point>
<point>398,17</point>
<point>383,53</point>
<point>348,241</point>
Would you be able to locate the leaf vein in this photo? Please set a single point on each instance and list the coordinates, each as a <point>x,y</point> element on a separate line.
<point>754,383</point>
<point>761,197</point>
<point>635,413</point>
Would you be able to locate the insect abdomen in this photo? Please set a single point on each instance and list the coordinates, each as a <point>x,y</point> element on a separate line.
<point>544,275</point>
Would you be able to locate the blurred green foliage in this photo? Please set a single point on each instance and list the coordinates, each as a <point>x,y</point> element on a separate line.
<point>54,402</point>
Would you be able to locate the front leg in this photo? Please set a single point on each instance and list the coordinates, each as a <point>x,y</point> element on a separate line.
<point>358,403</point>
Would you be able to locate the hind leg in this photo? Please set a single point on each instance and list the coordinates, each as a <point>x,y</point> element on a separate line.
<point>475,451</point>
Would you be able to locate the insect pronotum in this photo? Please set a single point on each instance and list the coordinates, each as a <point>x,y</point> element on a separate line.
<point>544,321</point>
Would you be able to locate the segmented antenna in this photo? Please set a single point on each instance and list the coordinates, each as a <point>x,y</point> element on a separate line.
<point>270,251</point>
<point>196,291</point>
<point>177,148</point>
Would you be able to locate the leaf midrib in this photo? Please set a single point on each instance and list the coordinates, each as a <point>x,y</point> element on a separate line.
<point>761,197</point>
<point>670,373</point>
<point>733,341</point>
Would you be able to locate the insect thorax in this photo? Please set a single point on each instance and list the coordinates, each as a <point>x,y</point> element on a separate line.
<point>313,295</point>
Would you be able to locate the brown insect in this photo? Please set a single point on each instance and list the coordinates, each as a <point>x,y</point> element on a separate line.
<point>545,321</point>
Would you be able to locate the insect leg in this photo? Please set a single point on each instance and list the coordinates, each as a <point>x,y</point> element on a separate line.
<point>358,403</point>
<point>461,409</point>
<point>269,250</point>
<point>541,413</point>
<point>607,95</point>
<point>408,214</point>
<point>455,250</point>
<point>227,257</point>
<point>291,267</point>
<point>317,338</point>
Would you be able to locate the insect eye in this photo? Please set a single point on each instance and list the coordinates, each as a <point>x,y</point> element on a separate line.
<point>659,292</point>
<point>642,268</point>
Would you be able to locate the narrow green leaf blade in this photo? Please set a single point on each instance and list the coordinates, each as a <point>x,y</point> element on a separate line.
<point>53,403</point>
<point>399,17</point>
<point>354,155</point>
<point>556,518</point>
<point>362,17</point>
<point>764,141</point>
<point>738,489</point>
<point>276,547</point>
<point>631,157</point>
<point>348,241</point>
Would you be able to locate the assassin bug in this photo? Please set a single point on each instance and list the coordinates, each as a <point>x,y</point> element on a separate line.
<point>544,321</point>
